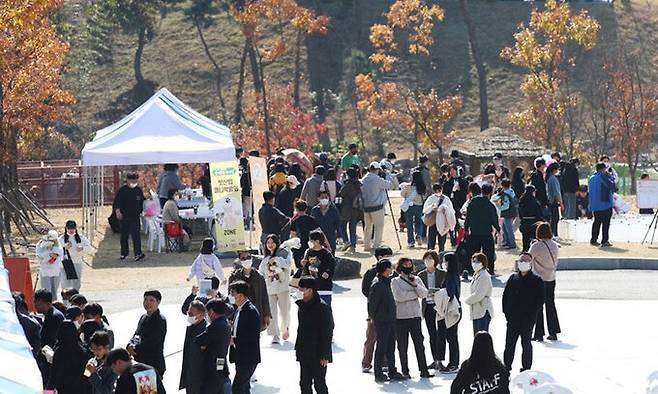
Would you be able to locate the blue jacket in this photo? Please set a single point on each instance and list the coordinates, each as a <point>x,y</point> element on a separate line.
<point>601,190</point>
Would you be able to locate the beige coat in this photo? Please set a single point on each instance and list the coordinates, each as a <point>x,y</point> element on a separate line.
<point>445,308</point>
<point>480,298</point>
<point>545,258</point>
<point>407,297</point>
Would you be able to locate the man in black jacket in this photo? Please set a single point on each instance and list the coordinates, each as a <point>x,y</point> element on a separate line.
<point>147,344</point>
<point>523,297</point>
<point>52,319</point>
<point>456,188</point>
<point>128,205</point>
<point>570,181</point>
<point>381,309</point>
<point>272,221</point>
<point>538,180</point>
<point>245,349</point>
<point>193,365</point>
<point>214,343</point>
<point>314,333</point>
<point>130,372</point>
<point>481,220</point>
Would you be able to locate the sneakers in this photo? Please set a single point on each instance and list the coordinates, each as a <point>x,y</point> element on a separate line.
<point>276,340</point>
<point>606,244</point>
<point>381,378</point>
<point>397,376</point>
<point>346,247</point>
<point>538,339</point>
<point>552,337</point>
<point>594,243</point>
<point>140,257</point>
<point>449,369</point>
<point>411,246</point>
<point>122,257</point>
<point>366,369</point>
<point>426,375</point>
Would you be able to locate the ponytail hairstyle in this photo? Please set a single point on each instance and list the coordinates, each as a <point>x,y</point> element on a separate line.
<point>71,225</point>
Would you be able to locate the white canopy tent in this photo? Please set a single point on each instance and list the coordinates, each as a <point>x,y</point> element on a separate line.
<point>162,130</point>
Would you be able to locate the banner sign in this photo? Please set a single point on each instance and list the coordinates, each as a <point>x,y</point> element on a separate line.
<point>227,205</point>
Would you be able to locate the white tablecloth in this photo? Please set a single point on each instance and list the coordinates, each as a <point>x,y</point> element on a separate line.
<point>623,228</point>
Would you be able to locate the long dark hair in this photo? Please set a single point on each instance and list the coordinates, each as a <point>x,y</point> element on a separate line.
<point>277,242</point>
<point>517,175</point>
<point>417,180</point>
<point>452,263</point>
<point>70,225</point>
<point>528,194</point>
<point>483,361</point>
<point>207,246</point>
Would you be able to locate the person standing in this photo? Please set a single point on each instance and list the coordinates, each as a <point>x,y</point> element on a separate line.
<point>101,376</point>
<point>350,158</point>
<point>321,264</point>
<point>275,268</point>
<point>383,252</point>
<point>69,360</point>
<point>285,199</point>
<point>601,189</point>
<point>193,366</point>
<point>530,213</point>
<point>483,372</point>
<point>570,183</point>
<point>423,162</point>
<point>214,344</point>
<point>413,197</point>
<point>168,180</point>
<point>407,290</point>
<point>50,253</point>
<point>94,311</point>
<point>433,277</point>
<point>453,290</point>
<point>327,217</point>
<point>554,195</point>
<point>382,311</point>
<point>245,344</point>
<point>481,220</point>
<point>545,254</point>
<point>350,211</point>
<point>373,190</point>
<point>439,217</point>
<point>312,186</point>
<point>538,180</point>
<point>456,188</point>
<point>301,226</point>
<point>52,320</point>
<point>128,205</point>
<point>518,183</point>
<point>245,188</point>
<point>272,221</point>
<point>147,344</point>
<point>508,212</point>
<point>523,298</point>
<point>129,372</point>
<point>75,247</point>
<point>314,336</point>
<point>480,298</point>
<point>256,287</point>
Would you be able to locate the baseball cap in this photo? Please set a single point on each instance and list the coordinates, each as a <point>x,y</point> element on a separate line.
<point>375,165</point>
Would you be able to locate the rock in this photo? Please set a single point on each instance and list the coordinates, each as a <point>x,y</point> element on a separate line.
<point>346,269</point>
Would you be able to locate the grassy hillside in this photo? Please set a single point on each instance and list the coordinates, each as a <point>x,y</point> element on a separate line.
<point>175,58</point>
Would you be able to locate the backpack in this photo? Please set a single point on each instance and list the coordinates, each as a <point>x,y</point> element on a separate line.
<point>512,211</point>
<point>429,219</point>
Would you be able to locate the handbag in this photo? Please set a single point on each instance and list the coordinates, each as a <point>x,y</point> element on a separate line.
<point>404,206</point>
<point>69,268</point>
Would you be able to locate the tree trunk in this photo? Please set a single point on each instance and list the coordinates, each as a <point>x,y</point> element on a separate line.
<point>266,113</point>
<point>141,41</point>
<point>237,116</point>
<point>218,70</point>
<point>298,72</point>
<point>479,65</point>
<point>632,172</point>
<point>255,66</point>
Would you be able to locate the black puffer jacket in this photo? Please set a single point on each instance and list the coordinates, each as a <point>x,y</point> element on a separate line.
<point>315,331</point>
<point>381,304</point>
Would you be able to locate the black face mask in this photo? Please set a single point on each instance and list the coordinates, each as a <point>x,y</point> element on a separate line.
<point>407,270</point>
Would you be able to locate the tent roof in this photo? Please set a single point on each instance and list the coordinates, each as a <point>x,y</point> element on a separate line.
<point>162,130</point>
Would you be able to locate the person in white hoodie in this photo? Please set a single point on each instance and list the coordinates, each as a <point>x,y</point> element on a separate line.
<point>275,268</point>
<point>207,265</point>
<point>439,217</point>
<point>50,252</point>
<point>480,298</point>
<point>75,247</point>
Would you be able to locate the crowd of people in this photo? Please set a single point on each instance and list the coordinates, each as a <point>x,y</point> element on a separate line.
<point>304,221</point>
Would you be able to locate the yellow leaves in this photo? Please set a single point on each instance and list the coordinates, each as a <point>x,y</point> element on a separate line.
<point>278,50</point>
<point>381,36</point>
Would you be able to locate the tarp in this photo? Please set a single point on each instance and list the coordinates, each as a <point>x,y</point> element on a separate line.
<point>162,130</point>
<point>19,373</point>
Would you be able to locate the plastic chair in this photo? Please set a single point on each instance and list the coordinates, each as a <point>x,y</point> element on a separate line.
<point>529,380</point>
<point>156,235</point>
<point>551,388</point>
<point>173,233</point>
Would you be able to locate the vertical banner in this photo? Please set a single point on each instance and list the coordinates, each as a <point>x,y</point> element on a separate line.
<point>258,173</point>
<point>227,205</point>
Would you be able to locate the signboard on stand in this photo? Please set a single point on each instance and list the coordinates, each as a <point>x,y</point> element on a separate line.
<point>227,205</point>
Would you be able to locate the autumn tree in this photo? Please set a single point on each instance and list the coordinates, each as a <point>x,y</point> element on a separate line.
<point>284,17</point>
<point>31,100</point>
<point>389,104</point>
<point>540,48</point>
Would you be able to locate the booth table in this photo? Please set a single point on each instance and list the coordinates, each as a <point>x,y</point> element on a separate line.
<point>200,214</point>
<point>623,228</point>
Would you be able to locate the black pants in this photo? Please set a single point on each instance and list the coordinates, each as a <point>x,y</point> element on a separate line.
<point>554,210</point>
<point>243,374</point>
<point>130,227</point>
<point>312,374</point>
<point>403,329</point>
<point>528,231</point>
<point>452,340</point>
<point>551,313</point>
<point>432,236</point>
<point>163,200</point>
<point>485,243</point>
<point>601,219</point>
<point>514,331</point>
<point>437,338</point>
<point>385,347</point>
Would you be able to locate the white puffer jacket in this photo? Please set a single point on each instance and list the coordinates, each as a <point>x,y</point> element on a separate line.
<point>445,213</point>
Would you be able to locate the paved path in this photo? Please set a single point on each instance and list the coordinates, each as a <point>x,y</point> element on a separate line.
<point>608,345</point>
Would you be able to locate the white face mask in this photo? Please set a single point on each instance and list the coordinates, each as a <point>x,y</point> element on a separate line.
<point>524,266</point>
<point>324,201</point>
<point>476,265</point>
<point>246,263</point>
<point>310,244</point>
<point>298,295</point>
<point>231,299</point>
<point>191,320</point>
<point>77,324</point>
<point>429,263</point>
<point>132,185</point>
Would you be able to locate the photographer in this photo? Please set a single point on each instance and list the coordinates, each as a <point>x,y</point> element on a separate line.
<point>373,191</point>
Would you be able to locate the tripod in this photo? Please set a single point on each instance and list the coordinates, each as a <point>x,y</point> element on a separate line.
<point>654,223</point>
<point>395,226</point>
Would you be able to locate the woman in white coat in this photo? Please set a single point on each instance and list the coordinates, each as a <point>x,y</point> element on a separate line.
<point>480,298</point>
<point>439,217</point>
<point>275,268</point>
<point>77,247</point>
<point>49,252</point>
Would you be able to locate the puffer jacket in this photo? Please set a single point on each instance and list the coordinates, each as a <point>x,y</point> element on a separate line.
<point>407,295</point>
<point>480,298</point>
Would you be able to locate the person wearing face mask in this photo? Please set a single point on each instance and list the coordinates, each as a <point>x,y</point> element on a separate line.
<point>328,218</point>
<point>75,247</point>
<point>128,204</point>
<point>545,254</point>
<point>49,253</point>
<point>74,314</point>
<point>170,215</point>
<point>496,167</point>
<point>523,298</point>
<point>214,343</point>
<point>320,263</point>
<point>244,351</point>
<point>301,226</point>
<point>480,298</point>
<point>257,287</point>
<point>314,335</point>
<point>439,217</point>
<point>407,290</point>
<point>432,277</point>
<point>275,268</point>
<point>193,360</point>
<point>285,199</point>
